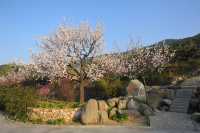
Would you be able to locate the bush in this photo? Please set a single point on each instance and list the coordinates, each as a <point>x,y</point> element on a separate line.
<point>56,122</point>
<point>16,100</point>
<point>109,86</point>
<point>120,117</point>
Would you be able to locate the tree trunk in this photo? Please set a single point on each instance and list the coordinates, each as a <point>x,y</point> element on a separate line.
<point>82,93</point>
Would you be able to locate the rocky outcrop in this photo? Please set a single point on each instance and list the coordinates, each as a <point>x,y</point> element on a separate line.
<point>101,112</point>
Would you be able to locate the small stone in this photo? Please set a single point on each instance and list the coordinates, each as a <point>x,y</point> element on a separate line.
<point>102,105</point>
<point>132,105</point>
<point>104,117</point>
<point>112,102</point>
<point>167,101</point>
<point>112,112</point>
<point>122,104</point>
<point>121,112</point>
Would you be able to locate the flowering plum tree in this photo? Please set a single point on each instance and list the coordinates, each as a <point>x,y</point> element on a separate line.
<point>74,53</point>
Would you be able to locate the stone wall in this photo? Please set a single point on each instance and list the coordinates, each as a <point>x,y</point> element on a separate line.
<point>44,115</point>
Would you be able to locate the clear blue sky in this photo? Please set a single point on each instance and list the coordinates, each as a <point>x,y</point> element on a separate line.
<point>22,21</point>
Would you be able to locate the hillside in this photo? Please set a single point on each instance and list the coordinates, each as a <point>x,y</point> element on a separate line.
<point>186,62</point>
<point>5,69</point>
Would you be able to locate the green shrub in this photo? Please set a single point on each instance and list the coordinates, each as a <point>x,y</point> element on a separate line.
<point>120,117</point>
<point>15,101</point>
<point>110,86</point>
<point>56,122</point>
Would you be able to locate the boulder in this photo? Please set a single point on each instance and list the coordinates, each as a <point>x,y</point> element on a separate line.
<point>134,113</point>
<point>77,114</point>
<point>112,102</point>
<point>122,104</point>
<point>112,112</point>
<point>148,112</point>
<point>165,104</point>
<point>132,105</point>
<point>196,117</point>
<point>103,117</point>
<point>137,89</point>
<point>145,109</point>
<point>90,115</point>
<point>167,101</point>
<point>121,112</point>
<point>102,106</point>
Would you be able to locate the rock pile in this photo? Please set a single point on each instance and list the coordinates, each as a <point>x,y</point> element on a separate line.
<point>102,112</point>
<point>133,105</point>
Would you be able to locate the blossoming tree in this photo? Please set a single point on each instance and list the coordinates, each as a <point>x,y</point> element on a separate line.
<point>141,60</point>
<point>74,53</point>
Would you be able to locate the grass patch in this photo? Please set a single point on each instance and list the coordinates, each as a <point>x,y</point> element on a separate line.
<point>56,122</point>
<point>120,117</point>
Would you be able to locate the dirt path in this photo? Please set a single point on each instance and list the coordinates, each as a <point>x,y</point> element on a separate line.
<point>172,120</point>
<point>13,127</point>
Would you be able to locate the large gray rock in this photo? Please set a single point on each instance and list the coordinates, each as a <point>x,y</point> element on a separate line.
<point>122,104</point>
<point>132,105</point>
<point>148,112</point>
<point>102,106</point>
<point>137,89</point>
<point>112,112</point>
<point>145,110</point>
<point>134,113</point>
<point>112,102</point>
<point>90,114</point>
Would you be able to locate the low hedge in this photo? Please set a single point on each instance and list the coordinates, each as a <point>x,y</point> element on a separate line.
<point>57,104</point>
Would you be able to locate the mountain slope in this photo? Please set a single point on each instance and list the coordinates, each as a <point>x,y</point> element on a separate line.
<point>186,62</point>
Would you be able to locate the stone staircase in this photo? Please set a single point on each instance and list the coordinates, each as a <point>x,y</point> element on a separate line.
<point>181,102</point>
<point>194,82</point>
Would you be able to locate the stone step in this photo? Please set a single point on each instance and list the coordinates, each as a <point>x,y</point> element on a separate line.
<point>181,101</point>
<point>183,96</point>
<point>179,111</point>
<point>179,107</point>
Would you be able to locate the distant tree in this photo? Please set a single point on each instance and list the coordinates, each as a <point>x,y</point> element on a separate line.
<point>139,61</point>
